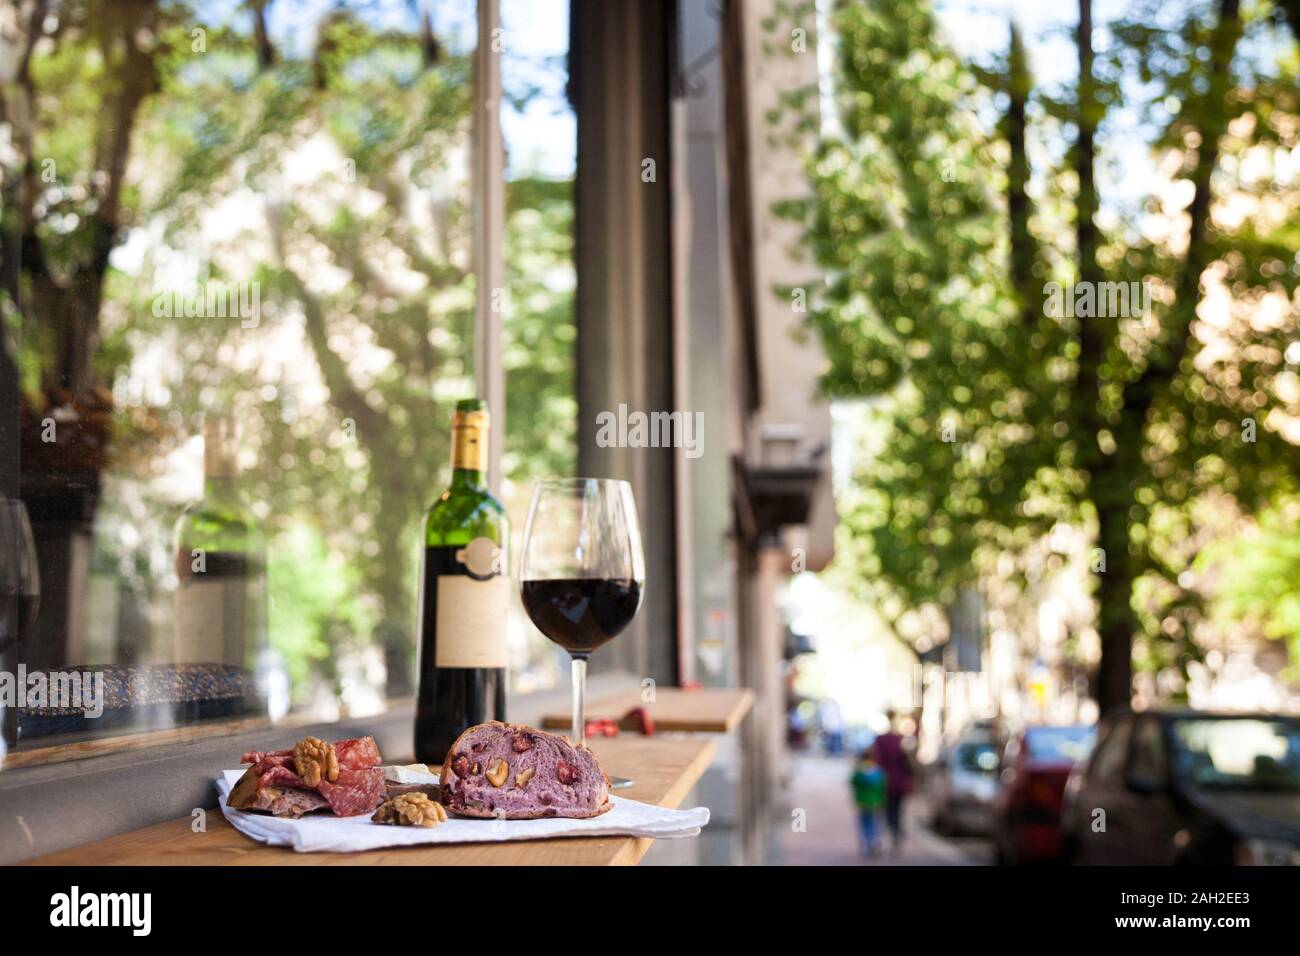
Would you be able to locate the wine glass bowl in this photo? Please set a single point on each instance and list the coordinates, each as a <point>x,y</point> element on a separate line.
<point>582,569</point>
<point>581,614</point>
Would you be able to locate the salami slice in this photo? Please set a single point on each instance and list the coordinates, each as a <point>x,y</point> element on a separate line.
<point>353,752</point>
<point>357,753</point>
<point>272,782</point>
<point>257,756</point>
<point>267,762</point>
<point>355,791</point>
<point>279,776</point>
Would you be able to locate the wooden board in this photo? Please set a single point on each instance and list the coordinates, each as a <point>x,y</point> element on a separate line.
<point>710,710</point>
<point>665,770</point>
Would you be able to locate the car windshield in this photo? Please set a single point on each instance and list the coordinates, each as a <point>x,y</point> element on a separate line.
<point>978,757</point>
<point>1255,753</point>
<point>1060,744</point>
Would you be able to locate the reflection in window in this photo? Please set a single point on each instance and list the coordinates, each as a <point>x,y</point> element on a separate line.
<point>247,298</point>
<point>1059,744</point>
<point>1239,753</point>
<point>978,758</point>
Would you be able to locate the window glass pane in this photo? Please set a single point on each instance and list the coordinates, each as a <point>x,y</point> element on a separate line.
<point>978,758</point>
<point>1067,744</point>
<point>541,415</point>
<point>1238,754</point>
<point>247,293</point>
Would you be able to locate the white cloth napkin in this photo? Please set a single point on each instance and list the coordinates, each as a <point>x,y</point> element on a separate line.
<point>323,832</point>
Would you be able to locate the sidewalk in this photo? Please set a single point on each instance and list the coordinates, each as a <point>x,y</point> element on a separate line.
<point>829,834</point>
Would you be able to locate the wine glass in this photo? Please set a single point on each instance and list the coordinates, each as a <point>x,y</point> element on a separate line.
<point>582,571</point>
<point>20,590</point>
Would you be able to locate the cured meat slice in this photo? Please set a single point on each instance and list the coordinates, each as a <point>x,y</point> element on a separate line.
<point>355,791</point>
<point>272,783</point>
<point>267,761</point>
<point>279,801</point>
<point>292,803</point>
<point>257,756</point>
<point>357,753</point>
<point>277,776</point>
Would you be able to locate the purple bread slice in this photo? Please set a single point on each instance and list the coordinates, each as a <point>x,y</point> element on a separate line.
<point>543,775</point>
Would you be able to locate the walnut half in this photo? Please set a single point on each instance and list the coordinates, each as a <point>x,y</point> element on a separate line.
<point>498,772</point>
<point>314,759</point>
<point>410,810</point>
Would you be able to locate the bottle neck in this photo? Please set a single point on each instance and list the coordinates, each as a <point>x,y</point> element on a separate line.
<point>220,489</point>
<point>469,451</point>
<point>468,479</point>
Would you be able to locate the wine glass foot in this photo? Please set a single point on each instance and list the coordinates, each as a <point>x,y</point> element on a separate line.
<point>619,783</point>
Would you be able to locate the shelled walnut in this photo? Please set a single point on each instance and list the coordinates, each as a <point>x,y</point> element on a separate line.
<point>410,810</point>
<point>498,772</point>
<point>313,759</point>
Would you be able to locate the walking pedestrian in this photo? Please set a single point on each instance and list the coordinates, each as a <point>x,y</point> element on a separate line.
<point>900,780</point>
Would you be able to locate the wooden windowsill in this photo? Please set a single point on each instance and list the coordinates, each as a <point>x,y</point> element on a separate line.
<point>665,770</point>
<point>704,710</point>
<point>77,794</point>
<point>149,739</point>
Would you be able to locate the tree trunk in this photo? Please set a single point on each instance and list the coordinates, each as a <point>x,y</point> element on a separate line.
<point>1113,481</point>
<point>1023,252</point>
<point>262,36</point>
<point>1292,8</point>
<point>71,308</point>
<point>1110,481</point>
<point>1116,620</point>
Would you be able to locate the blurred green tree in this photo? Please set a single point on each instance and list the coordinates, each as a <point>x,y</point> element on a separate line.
<point>1260,579</point>
<point>1040,353</point>
<point>71,110</point>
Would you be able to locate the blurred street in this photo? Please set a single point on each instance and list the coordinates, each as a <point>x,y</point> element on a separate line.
<point>819,786</point>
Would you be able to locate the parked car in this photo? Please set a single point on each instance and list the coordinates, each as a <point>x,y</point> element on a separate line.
<point>964,784</point>
<point>1027,810</point>
<point>1188,788</point>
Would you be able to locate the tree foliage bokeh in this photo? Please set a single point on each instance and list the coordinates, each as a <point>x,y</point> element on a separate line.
<point>948,198</point>
<point>334,175</point>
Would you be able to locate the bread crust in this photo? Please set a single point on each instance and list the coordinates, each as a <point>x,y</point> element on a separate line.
<point>446,775</point>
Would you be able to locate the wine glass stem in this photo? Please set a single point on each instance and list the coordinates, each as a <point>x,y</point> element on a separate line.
<point>579,697</point>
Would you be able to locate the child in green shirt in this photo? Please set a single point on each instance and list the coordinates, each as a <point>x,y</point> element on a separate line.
<point>868,782</point>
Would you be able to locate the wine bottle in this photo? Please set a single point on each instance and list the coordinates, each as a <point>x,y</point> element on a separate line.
<point>464,596</point>
<point>220,601</point>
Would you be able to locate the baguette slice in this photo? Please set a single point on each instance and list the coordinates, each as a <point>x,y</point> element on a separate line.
<point>543,775</point>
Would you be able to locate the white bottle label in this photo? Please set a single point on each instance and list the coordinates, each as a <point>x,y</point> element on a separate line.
<point>210,620</point>
<point>472,621</point>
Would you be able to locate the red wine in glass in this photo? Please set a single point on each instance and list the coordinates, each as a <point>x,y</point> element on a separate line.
<point>582,572</point>
<point>581,614</point>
